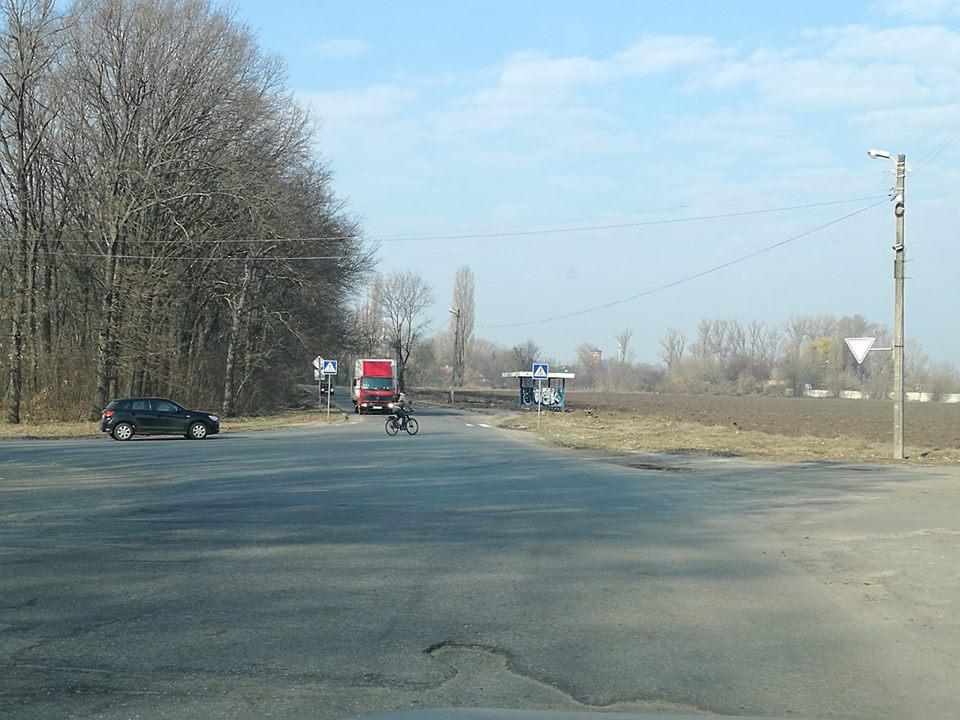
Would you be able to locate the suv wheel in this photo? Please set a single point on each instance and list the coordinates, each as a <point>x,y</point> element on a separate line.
<point>122,431</point>
<point>198,431</point>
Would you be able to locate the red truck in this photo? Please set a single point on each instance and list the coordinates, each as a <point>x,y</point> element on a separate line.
<point>374,385</point>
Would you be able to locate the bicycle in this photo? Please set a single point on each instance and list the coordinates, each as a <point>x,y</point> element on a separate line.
<point>395,424</point>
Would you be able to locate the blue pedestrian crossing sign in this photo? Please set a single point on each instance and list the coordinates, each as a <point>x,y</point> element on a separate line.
<point>329,367</point>
<point>541,371</point>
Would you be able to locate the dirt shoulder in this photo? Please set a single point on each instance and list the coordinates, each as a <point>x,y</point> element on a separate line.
<point>622,431</point>
<point>67,430</point>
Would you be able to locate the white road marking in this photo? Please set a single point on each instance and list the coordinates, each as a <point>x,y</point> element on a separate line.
<point>484,425</point>
<point>470,425</point>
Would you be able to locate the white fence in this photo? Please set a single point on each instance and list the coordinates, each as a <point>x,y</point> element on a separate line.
<point>812,392</point>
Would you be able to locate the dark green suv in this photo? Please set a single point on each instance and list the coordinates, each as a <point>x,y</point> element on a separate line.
<point>155,416</point>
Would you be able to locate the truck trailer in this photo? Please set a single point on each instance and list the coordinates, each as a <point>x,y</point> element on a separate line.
<point>374,386</point>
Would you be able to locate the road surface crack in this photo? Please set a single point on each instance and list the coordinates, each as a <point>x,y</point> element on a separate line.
<point>571,695</point>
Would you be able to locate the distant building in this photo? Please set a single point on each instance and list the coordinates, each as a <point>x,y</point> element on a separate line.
<point>596,357</point>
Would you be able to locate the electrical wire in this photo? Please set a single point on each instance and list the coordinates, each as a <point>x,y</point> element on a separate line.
<point>209,257</point>
<point>532,232</point>
<point>689,278</point>
<point>937,150</point>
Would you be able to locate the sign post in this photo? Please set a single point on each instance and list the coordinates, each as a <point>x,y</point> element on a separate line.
<point>317,364</point>
<point>540,372</point>
<point>329,368</point>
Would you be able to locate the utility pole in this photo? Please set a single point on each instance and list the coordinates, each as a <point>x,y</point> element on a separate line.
<point>898,262</point>
<point>457,361</point>
<point>899,205</point>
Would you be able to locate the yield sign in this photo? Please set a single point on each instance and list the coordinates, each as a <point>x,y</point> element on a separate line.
<point>860,346</point>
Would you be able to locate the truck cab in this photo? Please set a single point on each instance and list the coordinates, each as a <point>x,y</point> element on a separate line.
<point>374,385</point>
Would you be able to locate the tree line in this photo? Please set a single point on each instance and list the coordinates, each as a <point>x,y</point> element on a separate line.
<point>721,356</point>
<point>806,352</point>
<point>166,228</point>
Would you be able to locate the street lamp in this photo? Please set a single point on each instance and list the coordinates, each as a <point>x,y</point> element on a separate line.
<point>898,262</point>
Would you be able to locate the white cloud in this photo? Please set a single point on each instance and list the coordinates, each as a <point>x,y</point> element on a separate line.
<point>529,84</point>
<point>535,110</point>
<point>340,48</point>
<point>910,122</point>
<point>923,45</point>
<point>663,53</point>
<point>920,9</point>
<point>848,68</point>
<point>349,108</point>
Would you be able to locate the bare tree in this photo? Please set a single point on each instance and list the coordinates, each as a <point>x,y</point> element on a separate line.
<point>623,344</point>
<point>155,173</point>
<point>406,297</point>
<point>28,50</point>
<point>672,347</point>
<point>370,330</point>
<point>763,343</point>
<point>461,321</point>
<point>525,354</point>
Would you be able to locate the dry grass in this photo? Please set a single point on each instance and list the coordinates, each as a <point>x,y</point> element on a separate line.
<point>294,418</point>
<point>626,432</point>
<point>48,430</point>
<point>63,430</point>
<point>929,425</point>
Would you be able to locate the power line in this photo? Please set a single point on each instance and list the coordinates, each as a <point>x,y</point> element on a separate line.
<point>625,226</point>
<point>694,276</point>
<point>531,232</point>
<point>273,258</point>
<point>937,150</point>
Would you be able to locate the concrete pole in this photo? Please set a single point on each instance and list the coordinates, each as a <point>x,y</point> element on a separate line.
<point>898,263</point>
<point>454,376</point>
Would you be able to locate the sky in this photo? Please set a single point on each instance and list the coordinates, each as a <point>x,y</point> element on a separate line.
<point>477,118</point>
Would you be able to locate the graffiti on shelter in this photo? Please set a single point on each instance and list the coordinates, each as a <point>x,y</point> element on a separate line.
<point>549,396</point>
<point>526,396</point>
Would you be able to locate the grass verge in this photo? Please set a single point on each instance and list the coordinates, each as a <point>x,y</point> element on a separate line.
<point>64,430</point>
<point>626,432</point>
<point>291,418</point>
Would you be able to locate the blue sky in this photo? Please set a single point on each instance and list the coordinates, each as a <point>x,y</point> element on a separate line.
<point>444,118</point>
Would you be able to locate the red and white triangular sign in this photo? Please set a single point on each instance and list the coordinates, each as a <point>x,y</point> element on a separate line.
<point>860,346</point>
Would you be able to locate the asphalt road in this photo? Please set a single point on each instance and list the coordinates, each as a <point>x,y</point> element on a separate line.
<point>324,572</point>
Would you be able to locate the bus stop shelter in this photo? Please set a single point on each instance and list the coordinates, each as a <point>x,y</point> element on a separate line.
<point>552,394</point>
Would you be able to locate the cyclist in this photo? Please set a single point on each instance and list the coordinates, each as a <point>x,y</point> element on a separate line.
<point>400,408</point>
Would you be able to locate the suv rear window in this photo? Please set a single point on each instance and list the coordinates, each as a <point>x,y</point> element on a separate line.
<point>118,405</point>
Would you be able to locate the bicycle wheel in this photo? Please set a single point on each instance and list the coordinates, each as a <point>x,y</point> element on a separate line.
<point>413,427</point>
<point>391,426</point>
